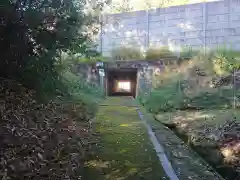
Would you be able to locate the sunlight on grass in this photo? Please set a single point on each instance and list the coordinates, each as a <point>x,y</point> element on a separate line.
<point>123,151</point>
<point>192,116</point>
<point>128,149</point>
<point>124,125</point>
<point>198,118</point>
<point>98,164</point>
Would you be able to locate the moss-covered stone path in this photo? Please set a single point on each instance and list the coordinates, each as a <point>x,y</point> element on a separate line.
<point>124,150</point>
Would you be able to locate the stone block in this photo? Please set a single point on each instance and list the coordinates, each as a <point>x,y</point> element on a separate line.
<point>196,13</point>
<point>173,22</point>
<point>234,38</point>
<point>157,25</point>
<point>192,34</point>
<point>235,7</point>
<point>180,15</point>
<point>156,18</point>
<point>193,41</point>
<point>193,7</point>
<point>216,25</point>
<point>234,31</point>
<point>235,16</point>
<point>218,7</point>
<point>234,24</point>
<point>158,11</point>
<point>217,32</point>
<point>157,43</point>
<point>236,46</point>
<point>170,10</point>
<point>211,40</point>
<point>157,31</point>
<point>217,18</point>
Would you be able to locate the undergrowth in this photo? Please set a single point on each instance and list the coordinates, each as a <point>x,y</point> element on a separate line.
<point>45,113</point>
<point>205,81</point>
<point>199,101</point>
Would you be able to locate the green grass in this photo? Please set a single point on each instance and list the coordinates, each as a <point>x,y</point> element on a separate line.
<point>171,97</point>
<point>125,151</point>
<point>123,101</point>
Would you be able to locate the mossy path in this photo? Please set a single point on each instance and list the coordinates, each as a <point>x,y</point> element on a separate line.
<point>124,149</point>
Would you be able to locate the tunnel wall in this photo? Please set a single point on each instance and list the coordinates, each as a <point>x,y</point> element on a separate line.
<point>90,72</point>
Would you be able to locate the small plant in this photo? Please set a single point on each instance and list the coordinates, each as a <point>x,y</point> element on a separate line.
<point>188,52</point>
<point>126,53</point>
<point>225,61</point>
<point>157,53</point>
<point>92,59</point>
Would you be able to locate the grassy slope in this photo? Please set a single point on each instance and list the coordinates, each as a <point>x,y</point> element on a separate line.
<point>124,151</point>
<point>201,130</point>
<point>187,164</point>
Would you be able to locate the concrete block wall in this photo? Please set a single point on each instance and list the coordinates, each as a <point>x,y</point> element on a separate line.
<point>211,24</point>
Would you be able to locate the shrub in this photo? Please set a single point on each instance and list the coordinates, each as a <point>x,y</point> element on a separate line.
<point>34,36</point>
<point>192,86</point>
<point>127,53</point>
<point>225,61</point>
<point>188,52</point>
<point>157,53</point>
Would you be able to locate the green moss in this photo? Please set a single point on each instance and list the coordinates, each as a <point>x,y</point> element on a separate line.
<point>125,151</point>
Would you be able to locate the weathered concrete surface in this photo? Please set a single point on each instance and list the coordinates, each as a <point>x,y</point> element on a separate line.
<point>146,70</point>
<point>204,24</point>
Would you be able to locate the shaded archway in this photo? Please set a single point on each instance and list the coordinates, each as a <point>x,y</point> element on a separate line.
<point>121,82</point>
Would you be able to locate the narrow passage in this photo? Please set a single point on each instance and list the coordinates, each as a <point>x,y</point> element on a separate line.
<point>124,150</point>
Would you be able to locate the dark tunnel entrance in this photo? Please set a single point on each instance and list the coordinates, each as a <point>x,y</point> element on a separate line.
<point>121,82</point>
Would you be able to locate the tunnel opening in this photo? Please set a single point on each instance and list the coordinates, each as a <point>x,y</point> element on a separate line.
<point>121,82</point>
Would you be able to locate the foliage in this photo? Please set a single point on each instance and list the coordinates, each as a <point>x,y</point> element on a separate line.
<point>38,141</point>
<point>76,84</point>
<point>188,52</point>
<point>199,96</point>
<point>170,98</point>
<point>157,53</point>
<point>92,59</point>
<point>42,140</point>
<point>212,133</point>
<point>35,33</point>
<point>225,61</point>
<point>126,53</point>
<point>193,84</point>
<point>119,6</point>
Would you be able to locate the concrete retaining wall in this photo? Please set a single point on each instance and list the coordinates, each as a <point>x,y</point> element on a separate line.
<point>197,25</point>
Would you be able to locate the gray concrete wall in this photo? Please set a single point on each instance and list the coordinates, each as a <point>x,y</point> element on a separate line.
<point>196,25</point>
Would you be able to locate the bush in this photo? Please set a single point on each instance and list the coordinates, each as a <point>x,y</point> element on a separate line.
<point>157,53</point>
<point>170,99</point>
<point>41,139</point>
<point>34,37</point>
<point>188,52</point>
<point>126,53</point>
<point>225,61</point>
<point>192,86</point>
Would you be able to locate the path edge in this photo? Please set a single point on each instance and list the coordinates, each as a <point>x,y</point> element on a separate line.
<point>166,164</point>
